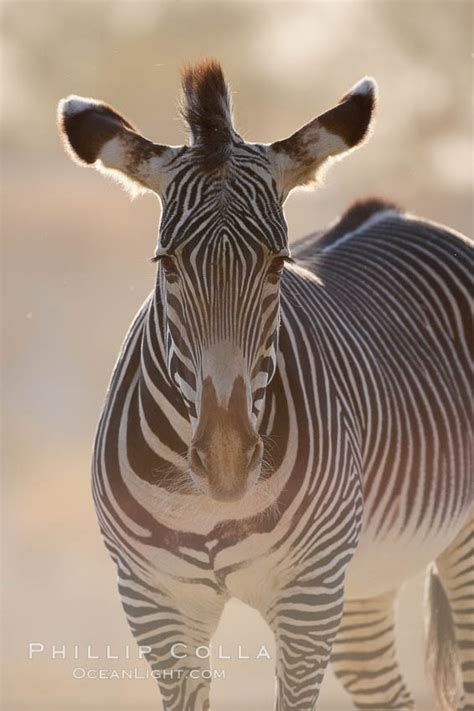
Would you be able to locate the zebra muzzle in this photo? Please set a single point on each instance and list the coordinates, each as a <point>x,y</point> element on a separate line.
<point>226,452</point>
<point>226,473</point>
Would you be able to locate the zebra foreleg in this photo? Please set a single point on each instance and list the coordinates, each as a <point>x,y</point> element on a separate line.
<point>456,571</point>
<point>305,621</point>
<point>364,656</point>
<point>173,633</point>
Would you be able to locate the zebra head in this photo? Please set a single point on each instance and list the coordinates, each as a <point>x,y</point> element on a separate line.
<point>221,251</point>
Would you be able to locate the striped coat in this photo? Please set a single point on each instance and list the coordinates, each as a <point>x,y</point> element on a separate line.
<point>371,390</point>
<point>290,430</point>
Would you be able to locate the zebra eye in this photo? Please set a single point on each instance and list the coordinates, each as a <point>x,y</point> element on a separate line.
<point>275,270</point>
<point>169,267</point>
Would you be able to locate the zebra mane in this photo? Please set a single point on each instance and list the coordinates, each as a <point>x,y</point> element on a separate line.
<point>207,112</point>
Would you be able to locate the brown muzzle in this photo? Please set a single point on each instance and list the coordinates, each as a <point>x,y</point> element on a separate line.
<point>226,451</point>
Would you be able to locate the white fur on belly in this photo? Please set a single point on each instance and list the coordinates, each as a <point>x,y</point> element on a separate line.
<point>384,564</point>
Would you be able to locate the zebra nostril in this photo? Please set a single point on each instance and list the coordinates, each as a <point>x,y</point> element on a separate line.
<point>196,462</point>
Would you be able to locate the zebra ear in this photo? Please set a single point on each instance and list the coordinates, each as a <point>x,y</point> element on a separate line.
<point>299,159</point>
<point>93,133</point>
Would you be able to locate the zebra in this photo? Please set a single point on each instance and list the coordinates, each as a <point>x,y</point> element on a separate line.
<point>291,429</point>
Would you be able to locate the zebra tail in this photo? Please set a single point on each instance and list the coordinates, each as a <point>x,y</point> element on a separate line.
<point>441,656</point>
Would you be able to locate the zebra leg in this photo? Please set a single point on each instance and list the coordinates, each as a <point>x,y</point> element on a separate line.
<point>364,655</point>
<point>456,571</point>
<point>169,629</point>
<point>305,622</point>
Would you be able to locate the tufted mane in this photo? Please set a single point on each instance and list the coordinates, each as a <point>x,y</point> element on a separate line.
<point>207,111</point>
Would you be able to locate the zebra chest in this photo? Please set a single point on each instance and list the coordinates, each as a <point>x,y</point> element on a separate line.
<point>234,552</point>
<point>231,560</point>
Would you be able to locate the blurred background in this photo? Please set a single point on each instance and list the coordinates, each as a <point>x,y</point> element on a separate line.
<point>76,270</point>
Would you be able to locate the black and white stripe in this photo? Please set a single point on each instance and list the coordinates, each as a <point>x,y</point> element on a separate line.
<point>293,432</point>
<point>366,422</point>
